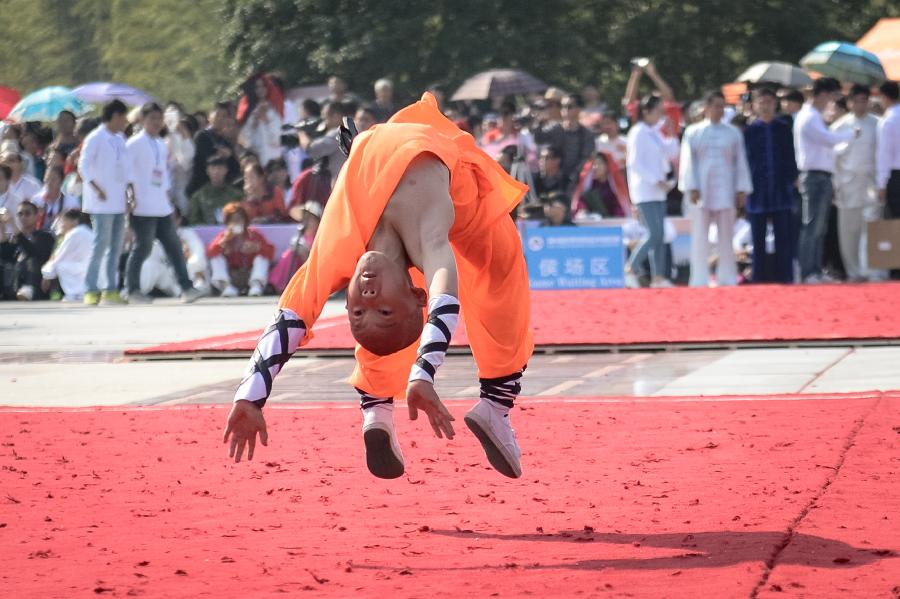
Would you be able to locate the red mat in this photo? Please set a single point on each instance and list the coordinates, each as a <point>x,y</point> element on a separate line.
<point>640,499</point>
<point>684,315</point>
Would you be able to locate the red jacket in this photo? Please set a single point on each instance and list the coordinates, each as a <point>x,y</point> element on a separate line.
<point>240,251</point>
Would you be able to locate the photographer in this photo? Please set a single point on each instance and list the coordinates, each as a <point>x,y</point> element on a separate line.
<point>323,141</point>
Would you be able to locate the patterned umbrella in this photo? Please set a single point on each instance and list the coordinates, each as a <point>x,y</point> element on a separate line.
<point>46,104</point>
<point>781,73</point>
<point>845,62</point>
<point>498,82</point>
<point>101,92</point>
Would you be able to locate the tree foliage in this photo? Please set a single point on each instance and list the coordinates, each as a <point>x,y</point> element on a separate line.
<point>697,45</point>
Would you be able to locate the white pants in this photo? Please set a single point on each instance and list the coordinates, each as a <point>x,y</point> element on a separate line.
<point>220,277</point>
<point>71,278</point>
<point>726,269</point>
<point>853,192</point>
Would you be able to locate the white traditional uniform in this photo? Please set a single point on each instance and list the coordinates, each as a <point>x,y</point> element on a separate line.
<point>713,162</point>
<point>854,186</point>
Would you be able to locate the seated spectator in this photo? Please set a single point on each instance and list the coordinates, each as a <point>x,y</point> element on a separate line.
<point>23,254</point>
<point>598,193</point>
<point>21,184</point>
<point>610,142</point>
<point>294,256</point>
<point>239,256</point>
<point>33,155</point>
<point>556,211</point>
<point>549,177</point>
<point>157,272</point>
<point>277,176</point>
<point>264,204</point>
<point>52,202</point>
<point>205,207</point>
<point>66,140</point>
<point>68,265</point>
<point>8,203</point>
<point>313,185</point>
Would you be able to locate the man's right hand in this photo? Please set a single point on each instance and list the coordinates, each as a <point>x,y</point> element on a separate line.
<point>100,193</point>
<point>244,422</point>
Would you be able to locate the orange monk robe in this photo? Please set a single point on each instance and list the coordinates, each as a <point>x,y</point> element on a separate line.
<point>493,280</point>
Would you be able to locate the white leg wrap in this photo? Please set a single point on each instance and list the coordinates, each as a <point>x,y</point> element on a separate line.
<point>276,346</point>
<point>443,315</point>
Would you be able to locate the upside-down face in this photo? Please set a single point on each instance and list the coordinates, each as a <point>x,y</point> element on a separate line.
<point>384,306</point>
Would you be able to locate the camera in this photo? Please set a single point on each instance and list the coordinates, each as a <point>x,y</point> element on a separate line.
<point>311,127</point>
<point>640,62</point>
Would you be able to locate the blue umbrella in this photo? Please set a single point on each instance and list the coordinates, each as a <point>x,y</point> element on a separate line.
<point>100,92</point>
<point>845,62</point>
<point>46,104</point>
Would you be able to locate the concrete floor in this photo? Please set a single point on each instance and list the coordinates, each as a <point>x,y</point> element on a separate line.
<point>55,354</point>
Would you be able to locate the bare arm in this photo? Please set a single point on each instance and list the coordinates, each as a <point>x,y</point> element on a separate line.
<point>665,91</point>
<point>631,90</point>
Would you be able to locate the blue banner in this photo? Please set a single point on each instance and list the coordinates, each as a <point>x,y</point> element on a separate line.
<point>574,257</point>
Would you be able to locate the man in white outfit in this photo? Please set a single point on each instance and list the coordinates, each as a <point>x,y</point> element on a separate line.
<point>716,178</point>
<point>69,262</point>
<point>854,178</point>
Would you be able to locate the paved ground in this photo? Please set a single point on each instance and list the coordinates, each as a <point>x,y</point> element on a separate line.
<point>61,355</point>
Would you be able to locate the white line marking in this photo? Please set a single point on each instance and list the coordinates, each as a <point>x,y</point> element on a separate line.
<point>562,359</point>
<point>609,368</point>
<point>325,366</point>
<point>636,358</point>
<point>562,387</point>
<point>474,390</point>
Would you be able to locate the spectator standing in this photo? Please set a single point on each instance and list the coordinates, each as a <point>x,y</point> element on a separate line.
<point>365,118</point>
<point>260,116</point>
<point>508,134</point>
<point>180,143</point>
<point>773,169</point>
<point>151,218</point>
<point>649,163</point>
<point>715,176</point>
<point>52,202</point>
<point>21,184</point>
<point>262,203</point>
<point>68,264</point>
<point>670,124</point>
<point>65,140</point>
<point>106,172</point>
<point>888,160</point>
<point>854,178</point>
<point>23,254</point>
<point>207,203</point>
<point>239,256</point>
<point>214,141</point>
<point>325,149</point>
<point>814,146</point>
<point>384,108</point>
<point>575,141</point>
<point>33,155</point>
<point>791,103</point>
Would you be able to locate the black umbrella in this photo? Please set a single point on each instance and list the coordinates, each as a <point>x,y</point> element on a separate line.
<point>498,83</point>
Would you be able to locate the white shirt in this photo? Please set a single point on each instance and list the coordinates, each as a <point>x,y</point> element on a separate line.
<point>813,142</point>
<point>26,187</point>
<point>263,137</point>
<point>70,260</point>
<point>649,155</point>
<point>714,162</point>
<point>104,160</point>
<point>149,169</point>
<point>10,202</point>
<point>857,156</point>
<point>888,157</point>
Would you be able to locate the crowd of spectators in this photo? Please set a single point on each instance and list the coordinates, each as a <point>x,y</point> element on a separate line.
<point>777,188</point>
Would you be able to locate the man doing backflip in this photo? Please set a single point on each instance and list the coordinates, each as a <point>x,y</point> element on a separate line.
<point>419,217</point>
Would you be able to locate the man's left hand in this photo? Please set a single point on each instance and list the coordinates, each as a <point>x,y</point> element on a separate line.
<point>740,197</point>
<point>420,395</point>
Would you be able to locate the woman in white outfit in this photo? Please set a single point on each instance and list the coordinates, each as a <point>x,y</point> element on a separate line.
<point>649,158</point>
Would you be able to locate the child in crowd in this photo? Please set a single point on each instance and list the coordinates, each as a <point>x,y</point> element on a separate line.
<point>239,255</point>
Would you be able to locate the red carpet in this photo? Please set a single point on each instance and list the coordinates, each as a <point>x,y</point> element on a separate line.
<point>635,317</point>
<point>654,498</point>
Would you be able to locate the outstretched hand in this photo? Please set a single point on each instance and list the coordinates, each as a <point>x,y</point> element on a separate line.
<point>420,395</point>
<point>244,422</point>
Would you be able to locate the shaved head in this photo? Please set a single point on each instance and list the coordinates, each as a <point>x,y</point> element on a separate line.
<point>384,307</point>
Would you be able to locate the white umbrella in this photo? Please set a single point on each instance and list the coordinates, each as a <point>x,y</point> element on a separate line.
<point>781,73</point>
